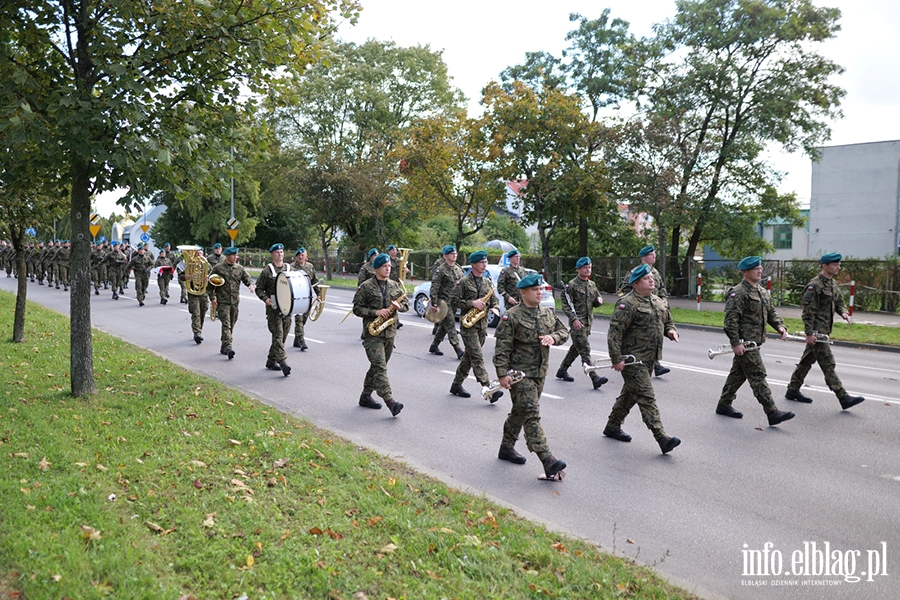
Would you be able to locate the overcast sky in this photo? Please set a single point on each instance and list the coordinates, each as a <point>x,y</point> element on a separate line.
<point>479,39</point>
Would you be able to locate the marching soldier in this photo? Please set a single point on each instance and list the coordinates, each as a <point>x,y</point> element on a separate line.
<point>821,300</point>
<point>648,257</point>
<point>379,297</point>
<point>302,263</point>
<point>475,291</point>
<point>279,324</point>
<point>128,251</point>
<point>198,304</point>
<point>164,264</point>
<point>579,299</point>
<point>524,336</point>
<point>216,256</point>
<point>747,310</point>
<point>102,266</point>
<point>115,263</point>
<point>141,264</point>
<point>41,254</point>
<point>509,277</point>
<point>62,261</point>
<point>366,271</point>
<point>227,297</point>
<point>445,278</point>
<point>637,327</point>
<point>96,257</point>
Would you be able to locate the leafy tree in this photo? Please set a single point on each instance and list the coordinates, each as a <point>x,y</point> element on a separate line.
<point>500,227</point>
<point>126,93</point>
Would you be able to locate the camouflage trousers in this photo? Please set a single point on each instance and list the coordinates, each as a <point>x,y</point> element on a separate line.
<point>95,277</point>
<point>638,389</point>
<point>183,286</point>
<point>378,351</point>
<point>228,316</point>
<point>115,278</point>
<point>748,367</point>
<point>526,415</point>
<point>163,283</point>
<point>141,281</point>
<point>817,353</point>
<point>447,328</point>
<point>473,340</point>
<point>198,305</point>
<point>279,327</point>
<point>299,322</point>
<point>62,274</point>
<point>581,346</point>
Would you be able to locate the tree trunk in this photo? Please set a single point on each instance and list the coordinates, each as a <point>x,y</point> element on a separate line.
<point>81,361</point>
<point>582,236</point>
<point>673,264</point>
<point>21,285</point>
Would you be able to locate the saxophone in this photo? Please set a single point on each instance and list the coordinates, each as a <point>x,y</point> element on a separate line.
<point>474,315</point>
<point>380,324</point>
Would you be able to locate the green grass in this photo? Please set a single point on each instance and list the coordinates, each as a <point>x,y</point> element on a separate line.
<point>218,495</point>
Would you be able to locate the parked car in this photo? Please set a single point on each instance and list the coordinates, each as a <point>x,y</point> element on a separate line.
<point>422,294</point>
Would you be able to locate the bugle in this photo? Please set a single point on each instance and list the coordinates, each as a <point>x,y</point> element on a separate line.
<point>628,359</point>
<point>727,349</point>
<point>494,386</point>
<point>799,336</point>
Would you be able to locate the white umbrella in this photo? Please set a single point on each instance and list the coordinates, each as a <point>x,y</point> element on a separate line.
<point>499,244</point>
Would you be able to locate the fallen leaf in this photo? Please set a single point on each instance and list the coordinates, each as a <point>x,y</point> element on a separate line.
<point>621,587</point>
<point>238,483</point>
<point>21,455</point>
<point>389,549</point>
<point>629,540</point>
<point>102,468</point>
<point>320,455</point>
<point>280,463</point>
<point>199,463</point>
<point>315,531</point>
<point>198,484</point>
<point>234,442</point>
<point>250,561</point>
<point>284,536</point>
<point>44,464</point>
<point>56,578</point>
<point>559,547</point>
<point>89,533</point>
<point>81,464</point>
<point>374,520</point>
<point>210,520</point>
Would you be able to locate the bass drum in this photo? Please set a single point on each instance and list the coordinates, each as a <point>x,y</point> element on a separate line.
<point>293,293</point>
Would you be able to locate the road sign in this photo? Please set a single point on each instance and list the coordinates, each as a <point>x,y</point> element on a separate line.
<point>95,229</point>
<point>31,231</point>
<point>101,239</point>
<point>232,224</point>
<point>232,233</point>
<point>95,219</point>
<point>144,228</point>
<point>145,238</point>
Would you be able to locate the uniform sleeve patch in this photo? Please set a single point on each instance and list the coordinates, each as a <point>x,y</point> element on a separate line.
<point>811,287</point>
<point>622,306</point>
<point>504,317</point>
<point>732,295</point>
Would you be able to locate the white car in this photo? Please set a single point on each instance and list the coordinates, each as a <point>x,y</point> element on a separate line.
<point>422,294</point>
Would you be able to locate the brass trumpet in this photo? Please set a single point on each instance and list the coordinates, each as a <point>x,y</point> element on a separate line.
<point>726,349</point>
<point>494,386</point>
<point>629,360</point>
<point>799,336</point>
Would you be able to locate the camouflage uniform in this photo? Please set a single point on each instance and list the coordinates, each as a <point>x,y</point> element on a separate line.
<point>300,320</point>
<point>370,297</point>
<point>395,270</point>
<point>443,281</point>
<point>519,347</point>
<point>63,262</point>
<point>213,259</point>
<point>506,284</point>
<point>578,301</point>
<point>821,300</point>
<point>659,289</point>
<point>228,296</point>
<point>638,326</point>
<point>115,263</point>
<point>102,266</point>
<point>473,288</point>
<point>141,264</point>
<point>164,277</point>
<point>747,310</point>
<point>279,325</point>
<point>366,272</point>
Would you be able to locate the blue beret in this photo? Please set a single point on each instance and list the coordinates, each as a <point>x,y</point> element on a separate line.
<point>638,272</point>
<point>380,260</point>
<point>114,243</point>
<point>530,281</point>
<point>646,250</point>
<point>372,253</point>
<point>448,249</point>
<point>512,253</point>
<point>217,245</point>
<point>275,247</point>
<point>392,247</point>
<point>477,256</point>
<point>230,250</point>
<point>300,250</point>
<point>584,260</point>
<point>167,245</point>
<point>831,257</point>
<point>141,245</point>
<point>751,262</point>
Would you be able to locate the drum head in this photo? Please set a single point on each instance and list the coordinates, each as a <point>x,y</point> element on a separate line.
<point>293,293</point>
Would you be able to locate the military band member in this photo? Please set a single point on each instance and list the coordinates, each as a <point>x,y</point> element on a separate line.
<point>115,263</point>
<point>301,262</point>
<point>469,294</point>
<point>821,300</point>
<point>648,257</point>
<point>226,297</point>
<point>524,336</point>
<point>279,324</point>
<point>379,297</point>
<point>366,271</point>
<point>444,279</point>
<point>166,269</point>
<point>748,307</point>
<point>579,298</point>
<point>216,256</point>
<point>638,325</point>
<point>198,304</point>
<point>509,277</point>
<point>140,263</point>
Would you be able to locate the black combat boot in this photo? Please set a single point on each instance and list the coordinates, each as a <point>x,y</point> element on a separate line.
<point>796,396</point>
<point>564,375</point>
<point>849,401</point>
<point>658,369</point>
<point>198,338</point>
<point>367,401</point>
<point>728,411</point>
<point>616,433</point>
<point>435,350</point>
<point>285,368</point>
<point>457,390</point>
<point>552,466</point>
<point>394,407</point>
<point>508,453</point>
<point>598,380</point>
<point>459,352</point>
<point>667,444</point>
<point>779,416</point>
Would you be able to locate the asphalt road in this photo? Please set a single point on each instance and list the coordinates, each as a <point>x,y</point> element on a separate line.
<point>827,480</point>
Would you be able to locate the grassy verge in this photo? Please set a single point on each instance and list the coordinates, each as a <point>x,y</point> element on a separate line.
<point>167,484</point>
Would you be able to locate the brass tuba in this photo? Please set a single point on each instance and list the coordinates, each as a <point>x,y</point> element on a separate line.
<point>318,303</point>
<point>401,264</point>
<point>196,270</point>
<point>474,315</point>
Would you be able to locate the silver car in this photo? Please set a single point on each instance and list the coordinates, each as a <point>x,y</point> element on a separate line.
<point>422,294</point>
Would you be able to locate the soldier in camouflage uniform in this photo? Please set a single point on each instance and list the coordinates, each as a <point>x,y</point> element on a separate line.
<point>366,271</point>
<point>821,300</point>
<point>63,262</point>
<point>444,279</point>
<point>226,297</point>
<point>648,257</point>
<point>216,256</point>
<point>379,297</point>
<point>39,254</point>
<point>467,295</point>
<point>96,256</point>
<point>579,298</point>
<point>301,263</point>
<point>524,336</point>
<point>279,324</point>
<point>509,277</point>
<point>748,308</point>
<point>52,264</point>
<point>198,304</point>
<point>166,270</point>
<point>639,323</point>
<point>102,265</point>
<point>140,263</point>
<point>115,263</point>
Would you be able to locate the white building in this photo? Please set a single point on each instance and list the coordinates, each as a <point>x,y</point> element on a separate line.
<point>855,201</point>
<point>790,243</point>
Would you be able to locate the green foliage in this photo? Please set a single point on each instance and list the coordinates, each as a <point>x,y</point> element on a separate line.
<point>500,227</point>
